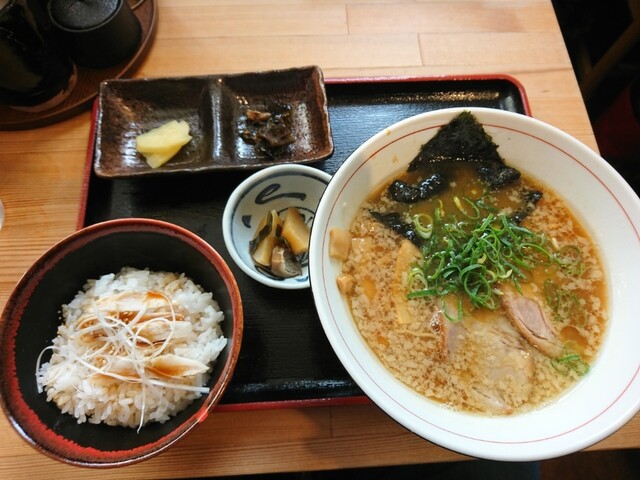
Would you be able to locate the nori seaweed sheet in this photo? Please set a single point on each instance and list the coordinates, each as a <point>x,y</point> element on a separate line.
<point>463,139</point>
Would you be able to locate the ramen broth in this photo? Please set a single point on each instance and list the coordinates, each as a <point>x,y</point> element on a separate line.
<point>533,340</point>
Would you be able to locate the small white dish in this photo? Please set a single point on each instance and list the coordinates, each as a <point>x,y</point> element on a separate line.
<point>273,188</point>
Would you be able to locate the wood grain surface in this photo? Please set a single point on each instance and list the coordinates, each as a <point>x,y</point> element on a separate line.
<point>42,171</point>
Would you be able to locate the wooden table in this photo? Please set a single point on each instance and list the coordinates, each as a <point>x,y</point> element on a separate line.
<point>41,175</point>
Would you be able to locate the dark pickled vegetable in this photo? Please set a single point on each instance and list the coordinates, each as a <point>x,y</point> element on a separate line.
<point>268,130</point>
<point>275,134</point>
<point>284,264</point>
<point>257,116</point>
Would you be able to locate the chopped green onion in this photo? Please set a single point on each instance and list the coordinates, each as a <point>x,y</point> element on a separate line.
<point>472,257</point>
<point>470,203</point>
<point>423,225</point>
<point>570,361</point>
<point>565,304</point>
<point>569,257</point>
<point>458,316</point>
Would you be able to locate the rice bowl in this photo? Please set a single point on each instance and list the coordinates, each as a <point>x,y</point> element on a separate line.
<point>32,317</point>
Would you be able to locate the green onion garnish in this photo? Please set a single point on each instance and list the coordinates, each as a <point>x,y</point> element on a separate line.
<point>570,361</point>
<point>472,256</point>
<point>565,304</point>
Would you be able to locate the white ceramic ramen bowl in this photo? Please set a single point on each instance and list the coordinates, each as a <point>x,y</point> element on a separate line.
<point>278,187</point>
<point>603,400</point>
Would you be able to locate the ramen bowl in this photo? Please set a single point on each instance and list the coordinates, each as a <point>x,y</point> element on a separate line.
<point>274,188</point>
<point>601,401</point>
<point>31,318</point>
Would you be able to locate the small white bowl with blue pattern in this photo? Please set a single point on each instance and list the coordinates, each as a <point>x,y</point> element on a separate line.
<point>273,188</point>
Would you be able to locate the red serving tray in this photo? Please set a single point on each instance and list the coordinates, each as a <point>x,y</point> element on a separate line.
<point>286,360</point>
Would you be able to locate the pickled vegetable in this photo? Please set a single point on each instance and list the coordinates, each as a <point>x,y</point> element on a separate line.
<point>279,244</point>
<point>266,238</point>
<point>162,143</point>
<point>296,232</point>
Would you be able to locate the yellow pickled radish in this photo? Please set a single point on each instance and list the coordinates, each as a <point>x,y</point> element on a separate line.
<point>296,231</point>
<point>162,143</point>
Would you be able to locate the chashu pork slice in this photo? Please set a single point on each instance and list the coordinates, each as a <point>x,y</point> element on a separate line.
<point>527,316</point>
<point>504,369</point>
<point>500,377</point>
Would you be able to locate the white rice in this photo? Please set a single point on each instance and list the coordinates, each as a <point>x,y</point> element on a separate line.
<point>90,397</point>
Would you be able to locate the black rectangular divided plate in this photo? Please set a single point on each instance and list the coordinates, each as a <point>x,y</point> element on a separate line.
<point>285,355</point>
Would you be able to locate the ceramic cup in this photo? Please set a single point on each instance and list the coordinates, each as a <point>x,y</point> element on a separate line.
<point>97,33</point>
<point>35,72</point>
